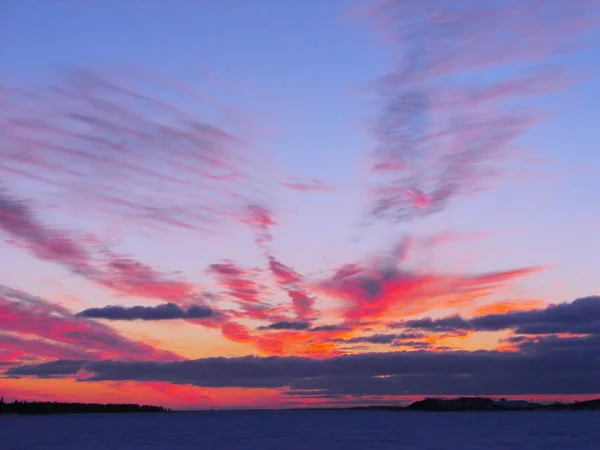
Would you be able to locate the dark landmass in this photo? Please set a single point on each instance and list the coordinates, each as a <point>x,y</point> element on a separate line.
<point>428,404</point>
<point>488,404</point>
<point>21,407</point>
<point>470,404</point>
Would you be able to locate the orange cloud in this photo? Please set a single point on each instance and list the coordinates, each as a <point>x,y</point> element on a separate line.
<point>509,305</point>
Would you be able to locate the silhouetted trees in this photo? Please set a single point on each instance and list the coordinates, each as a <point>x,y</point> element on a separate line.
<point>488,404</point>
<point>24,407</point>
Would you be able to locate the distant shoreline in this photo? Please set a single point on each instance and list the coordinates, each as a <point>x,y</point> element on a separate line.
<point>461,404</point>
<point>41,408</point>
<point>479,404</point>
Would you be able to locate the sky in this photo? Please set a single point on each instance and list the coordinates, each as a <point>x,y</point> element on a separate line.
<point>209,204</point>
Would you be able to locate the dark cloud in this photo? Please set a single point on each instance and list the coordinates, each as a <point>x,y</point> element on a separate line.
<point>552,365</point>
<point>53,369</point>
<point>445,324</point>
<point>329,328</point>
<point>284,325</point>
<point>582,316</point>
<point>168,311</point>
<point>382,338</point>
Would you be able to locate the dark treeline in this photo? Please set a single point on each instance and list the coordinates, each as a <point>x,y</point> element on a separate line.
<point>476,404</point>
<point>488,404</point>
<point>23,407</point>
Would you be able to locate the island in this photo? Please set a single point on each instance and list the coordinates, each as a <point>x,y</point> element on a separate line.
<point>484,404</point>
<point>24,407</point>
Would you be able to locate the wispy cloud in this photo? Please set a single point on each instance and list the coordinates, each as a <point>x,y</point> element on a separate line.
<point>236,281</point>
<point>309,185</point>
<point>291,282</point>
<point>110,137</point>
<point>440,133</point>
<point>18,219</point>
<point>120,273</point>
<point>260,219</point>
<point>127,276</point>
<point>386,287</point>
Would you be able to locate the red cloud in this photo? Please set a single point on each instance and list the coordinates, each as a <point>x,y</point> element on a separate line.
<point>384,289</point>
<point>236,332</point>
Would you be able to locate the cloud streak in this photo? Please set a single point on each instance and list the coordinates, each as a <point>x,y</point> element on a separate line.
<point>309,185</point>
<point>286,326</point>
<point>168,311</point>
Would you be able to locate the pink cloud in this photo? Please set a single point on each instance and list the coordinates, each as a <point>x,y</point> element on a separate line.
<point>309,185</point>
<point>130,277</point>
<point>260,219</point>
<point>285,275</point>
<point>34,327</point>
<point>120,273</point>
<point>109,138</point>
<point>19,221</point>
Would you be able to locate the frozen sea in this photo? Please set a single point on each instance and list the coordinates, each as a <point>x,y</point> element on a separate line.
<point>291,430</point>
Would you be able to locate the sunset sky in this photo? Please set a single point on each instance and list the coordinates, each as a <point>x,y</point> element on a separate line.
<point>263,203</point>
